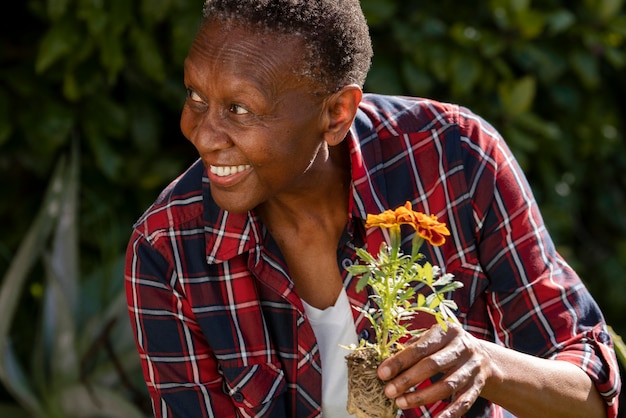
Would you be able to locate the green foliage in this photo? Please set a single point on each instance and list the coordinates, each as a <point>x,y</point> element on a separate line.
<point>392,275</point>
<point>107,76</point>
<point>68,376</point>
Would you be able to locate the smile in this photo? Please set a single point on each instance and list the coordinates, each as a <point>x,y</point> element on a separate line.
<point>223,171</point>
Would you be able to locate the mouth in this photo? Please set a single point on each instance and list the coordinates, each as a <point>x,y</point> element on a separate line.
<point>225,171</point>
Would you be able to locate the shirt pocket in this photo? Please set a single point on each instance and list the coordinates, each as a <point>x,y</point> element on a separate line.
<point>256,390</point>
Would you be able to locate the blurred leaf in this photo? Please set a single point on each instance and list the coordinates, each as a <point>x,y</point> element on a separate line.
<point>155,11</point>
<point>620,346</point>
<point>418,81</point>
<point>121,15</point>
<point>15,380</point>
<point>519,5</point>
<point>92,13</point>
<point>531,23</point>
<point>560,21</point>
<point>108,160</point>
<point>12,284</point>
<point>49,128</point>
<point>96,401</point>
<point>6,126</point>
<point>148,54</point>
<point>586,67</point>
<point>62,287</point>
<point>62,38</point>
<point>517,95</point>
<point>491,44</point>
<point>112,56</point>
<point>57,8</point>
<point>465,70</point>
<point>184,28</point>
<point>13,411</point>
<point>144,126</point>
<point>604,9</point>
<point>383,77</point>
<point>378,11</point>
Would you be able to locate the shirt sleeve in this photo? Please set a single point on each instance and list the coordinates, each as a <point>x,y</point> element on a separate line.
<point>538,304</point>
<point>179,367</point>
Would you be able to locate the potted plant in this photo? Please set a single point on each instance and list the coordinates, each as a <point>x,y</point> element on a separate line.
<point>393,277</point>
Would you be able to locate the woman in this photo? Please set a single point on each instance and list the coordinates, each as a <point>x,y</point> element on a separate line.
<point>236,279</point>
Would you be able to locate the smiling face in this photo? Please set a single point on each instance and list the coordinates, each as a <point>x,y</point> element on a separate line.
<point>254,121</point>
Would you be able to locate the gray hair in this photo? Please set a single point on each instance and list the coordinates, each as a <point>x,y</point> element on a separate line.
<point>335,33</point>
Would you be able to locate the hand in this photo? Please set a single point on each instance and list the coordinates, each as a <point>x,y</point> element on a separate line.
<point>460,357</point>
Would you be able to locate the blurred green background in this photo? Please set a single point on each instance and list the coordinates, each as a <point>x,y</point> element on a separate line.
<point>90,96</point>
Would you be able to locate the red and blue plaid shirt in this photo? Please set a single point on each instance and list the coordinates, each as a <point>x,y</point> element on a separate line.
<point>221,331</point>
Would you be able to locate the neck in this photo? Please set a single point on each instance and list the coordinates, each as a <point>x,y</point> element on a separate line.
<point>320,198</point>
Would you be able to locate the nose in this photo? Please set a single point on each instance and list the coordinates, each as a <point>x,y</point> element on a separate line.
<point>205,130</point>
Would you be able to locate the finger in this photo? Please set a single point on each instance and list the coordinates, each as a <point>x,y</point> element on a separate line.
<point>462,385</point>
<point>428,343</point>
<point>461,403</point>
<point>448,358</point>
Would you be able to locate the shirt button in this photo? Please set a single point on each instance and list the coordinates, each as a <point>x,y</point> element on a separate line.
<point>364,335</point>
<point>238,397</point>
<point>346,263</point>
<point>604,337</point>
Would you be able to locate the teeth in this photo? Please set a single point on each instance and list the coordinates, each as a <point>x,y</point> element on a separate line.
<point>223,171</point>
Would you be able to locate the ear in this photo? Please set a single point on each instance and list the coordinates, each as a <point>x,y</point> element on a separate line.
<point>339,110</point>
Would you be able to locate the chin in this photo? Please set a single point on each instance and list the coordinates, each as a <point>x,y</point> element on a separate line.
<point>234,203</point>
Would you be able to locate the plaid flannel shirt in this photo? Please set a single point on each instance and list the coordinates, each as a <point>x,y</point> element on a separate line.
<point>221,331</point>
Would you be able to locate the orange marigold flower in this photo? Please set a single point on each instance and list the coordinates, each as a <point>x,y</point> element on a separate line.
<point>428,227</point>
<point>387,219</point>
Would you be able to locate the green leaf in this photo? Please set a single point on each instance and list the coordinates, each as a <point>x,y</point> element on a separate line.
<point>586,67</point>
<point>363,281</point>
<point>604,9</point>
<point>15,380</point>
<point>442,322</point>
<point>112,56</point>
<point>450,287</point>
<point>531,23</point>
<point>57,8</point>
<point>94,15</point>
<point>560,21</point>
<point>155,11</point>
<point>62,291</point>
<point>620,346</point>
<point>148,54</point>
<point>28,253</point>
<point>465,70</point>
<point>60,41</point>
<point>50,128</point>
<point>517,96</point>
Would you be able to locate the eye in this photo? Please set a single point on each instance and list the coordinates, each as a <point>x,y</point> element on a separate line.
<point>193,96</point>
<point>238,110</point>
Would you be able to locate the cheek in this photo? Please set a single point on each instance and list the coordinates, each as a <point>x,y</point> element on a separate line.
<point>186,124</point>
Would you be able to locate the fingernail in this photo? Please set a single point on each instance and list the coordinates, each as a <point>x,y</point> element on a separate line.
<point>401,402</point>
<point>384,372</point>
<point>390,391</point>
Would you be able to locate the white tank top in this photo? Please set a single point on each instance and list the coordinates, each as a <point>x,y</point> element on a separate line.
<point>333,326</point>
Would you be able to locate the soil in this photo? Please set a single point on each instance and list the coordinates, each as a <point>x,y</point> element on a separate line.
<point>366,398</point>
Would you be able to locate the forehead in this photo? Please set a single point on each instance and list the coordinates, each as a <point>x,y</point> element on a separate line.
<point>243,51</point>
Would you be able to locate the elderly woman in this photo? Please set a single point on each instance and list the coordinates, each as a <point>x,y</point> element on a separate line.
<point>236,280</point>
